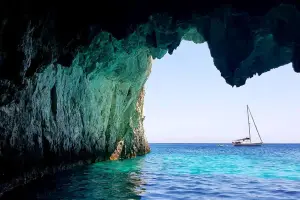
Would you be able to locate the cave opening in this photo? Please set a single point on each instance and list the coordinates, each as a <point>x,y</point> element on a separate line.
<point>187,101</point>
<point>81,101</point>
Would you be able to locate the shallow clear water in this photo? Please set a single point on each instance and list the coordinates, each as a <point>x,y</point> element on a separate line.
<point>181,171</point>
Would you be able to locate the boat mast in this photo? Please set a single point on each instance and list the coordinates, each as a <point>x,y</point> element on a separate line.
<point>248,122</point>
<point>255,124</point>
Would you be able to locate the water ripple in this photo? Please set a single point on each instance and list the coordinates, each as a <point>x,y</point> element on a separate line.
<point>181,171</point>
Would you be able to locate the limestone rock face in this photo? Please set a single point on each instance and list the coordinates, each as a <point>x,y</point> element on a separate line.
<point>72,74</point>
<point>77,114</point>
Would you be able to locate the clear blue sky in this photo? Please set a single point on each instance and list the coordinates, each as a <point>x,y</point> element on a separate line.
<point>187,100</point>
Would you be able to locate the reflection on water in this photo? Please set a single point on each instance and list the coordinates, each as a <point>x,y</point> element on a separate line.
<point>181,171</point>
<point>104,180</point>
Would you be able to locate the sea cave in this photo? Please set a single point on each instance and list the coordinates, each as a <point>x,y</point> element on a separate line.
<point>72,76</point>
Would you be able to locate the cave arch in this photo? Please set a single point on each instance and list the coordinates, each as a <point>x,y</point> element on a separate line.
<point>94,62</point>
<point>186,97</point>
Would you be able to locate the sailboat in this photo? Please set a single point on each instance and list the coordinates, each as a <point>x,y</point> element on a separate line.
<point>247,140</point>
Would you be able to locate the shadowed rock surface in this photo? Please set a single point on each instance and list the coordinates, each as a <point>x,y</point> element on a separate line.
<point>72,74</point>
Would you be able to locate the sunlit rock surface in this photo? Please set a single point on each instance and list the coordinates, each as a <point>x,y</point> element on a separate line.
<point>66,116</point>
<point>72,76</point>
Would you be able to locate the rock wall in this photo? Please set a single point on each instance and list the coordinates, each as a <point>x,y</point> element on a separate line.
<point>69,116</point>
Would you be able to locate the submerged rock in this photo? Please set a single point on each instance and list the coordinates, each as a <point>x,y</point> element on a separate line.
<point>72,77</point>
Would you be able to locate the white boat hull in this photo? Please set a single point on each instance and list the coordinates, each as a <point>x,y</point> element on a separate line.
<point>247,144</point>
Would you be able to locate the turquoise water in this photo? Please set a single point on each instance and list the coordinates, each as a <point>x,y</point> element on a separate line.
<point>181,171</point>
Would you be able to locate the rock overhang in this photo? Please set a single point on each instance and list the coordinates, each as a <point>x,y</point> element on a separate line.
<point>244,39</point>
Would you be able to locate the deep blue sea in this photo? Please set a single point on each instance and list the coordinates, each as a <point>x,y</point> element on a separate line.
<point>181,171</point>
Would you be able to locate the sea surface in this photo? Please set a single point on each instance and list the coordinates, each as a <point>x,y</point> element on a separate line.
<point>181,171</point>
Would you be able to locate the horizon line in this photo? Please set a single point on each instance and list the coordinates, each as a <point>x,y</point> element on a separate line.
<point>218,143</point>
